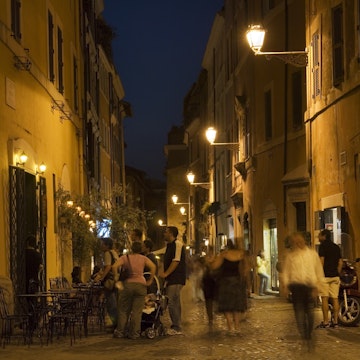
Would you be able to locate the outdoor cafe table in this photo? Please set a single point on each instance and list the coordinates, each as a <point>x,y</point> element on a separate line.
<point>41,304</point>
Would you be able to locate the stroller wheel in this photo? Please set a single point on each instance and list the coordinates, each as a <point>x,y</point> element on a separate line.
<point>150,333</point>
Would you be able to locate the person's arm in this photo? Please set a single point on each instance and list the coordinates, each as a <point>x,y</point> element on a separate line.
<point>217,262</point>
<point>152,267</point>
<point>175,261</point>
<point>174,264</point>
<point>340,265</point>
<point>160,251</point>
<point>115,267</point>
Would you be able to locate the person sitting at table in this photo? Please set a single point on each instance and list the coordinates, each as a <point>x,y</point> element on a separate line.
<point>76,275</point>
<point>33,265</point>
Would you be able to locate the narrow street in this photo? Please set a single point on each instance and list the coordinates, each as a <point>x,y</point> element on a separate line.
<point>268,332</point>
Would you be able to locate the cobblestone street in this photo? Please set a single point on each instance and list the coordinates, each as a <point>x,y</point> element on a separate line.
<point>268,332</point>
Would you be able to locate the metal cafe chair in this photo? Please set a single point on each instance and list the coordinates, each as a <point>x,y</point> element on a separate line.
<point>67,313</point>
<point>13,325</point>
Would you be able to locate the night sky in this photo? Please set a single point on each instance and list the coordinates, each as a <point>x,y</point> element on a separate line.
<point>157,53</point>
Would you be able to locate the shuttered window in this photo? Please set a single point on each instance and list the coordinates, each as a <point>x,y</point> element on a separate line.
<point>51,46</point>
<point>316,61</point>
<point>15,19</point>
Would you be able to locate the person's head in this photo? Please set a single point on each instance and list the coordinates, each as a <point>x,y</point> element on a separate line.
<point>230,245</point>
<point>31,241</point>
<point>76,272</point>
<point>171,233</point>
<point>136,247</point>
<point>325,235</point>
<point>297,241</point>
<point>136,235</point>
<point>107,243</point>
<point>147,246</point>
<point>261,253</point>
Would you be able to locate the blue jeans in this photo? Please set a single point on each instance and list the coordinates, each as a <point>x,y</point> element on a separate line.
<point>264,283</point>
<point>173,294</point>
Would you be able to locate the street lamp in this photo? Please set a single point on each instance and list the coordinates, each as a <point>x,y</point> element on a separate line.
<point>191,178</point>
<point>255,37</point>
<point>211,136</point>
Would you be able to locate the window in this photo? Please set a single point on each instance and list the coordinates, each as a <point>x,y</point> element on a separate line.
<point>266,6</point>
<point>268,115</point>
<point>297,108</point>
<point>337,45</point>
<point>76,85</point>
<point>51,46</point>
<point>316,53</point>
<point>60,61</point>
<point>300,208</point>
<point>15,19</point>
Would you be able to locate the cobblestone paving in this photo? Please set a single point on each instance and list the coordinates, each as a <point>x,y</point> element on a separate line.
<point>268,332</point>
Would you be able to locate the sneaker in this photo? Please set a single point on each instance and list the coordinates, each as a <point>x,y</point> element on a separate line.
<point>118,334</point>
<point>335,326</point>
<point>173,332</point>
<point>323,326</point>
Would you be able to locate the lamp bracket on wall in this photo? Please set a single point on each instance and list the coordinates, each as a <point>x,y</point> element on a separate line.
<point>22,63</point>
<point>60,106</point>
<point>295,58</point>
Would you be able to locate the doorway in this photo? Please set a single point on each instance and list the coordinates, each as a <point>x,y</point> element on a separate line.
<point>271,251</point>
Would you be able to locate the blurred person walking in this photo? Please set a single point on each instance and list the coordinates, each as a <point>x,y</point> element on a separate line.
<point>303,275</point>
<point>232,283</point>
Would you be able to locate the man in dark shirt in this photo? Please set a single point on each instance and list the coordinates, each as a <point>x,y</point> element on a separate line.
<point>33,265</point>
<point>330,256</point>
<point>174,275</point>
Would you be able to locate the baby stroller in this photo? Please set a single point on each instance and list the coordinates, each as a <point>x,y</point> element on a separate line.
<point>155,306</point>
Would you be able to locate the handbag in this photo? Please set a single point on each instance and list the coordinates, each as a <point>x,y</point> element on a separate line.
<point>109,284</point>
<point>125,271</point>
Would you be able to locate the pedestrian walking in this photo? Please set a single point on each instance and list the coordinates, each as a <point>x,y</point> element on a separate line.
<point>330,256</point>
<point>303,275</point>
<point>231,285</point>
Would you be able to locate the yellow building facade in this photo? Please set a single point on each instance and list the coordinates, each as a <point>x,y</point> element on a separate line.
<point>51,111</point>
<point>332,121</point>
